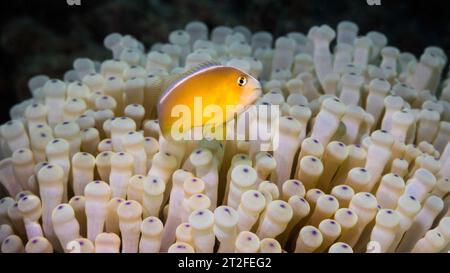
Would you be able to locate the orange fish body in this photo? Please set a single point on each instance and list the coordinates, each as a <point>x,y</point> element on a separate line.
<point>210,94</point>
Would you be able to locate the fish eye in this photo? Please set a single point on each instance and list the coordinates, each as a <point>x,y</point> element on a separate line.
<point>242,80</point>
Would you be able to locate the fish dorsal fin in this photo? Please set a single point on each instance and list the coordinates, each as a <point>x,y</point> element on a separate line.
<point>172,80</point>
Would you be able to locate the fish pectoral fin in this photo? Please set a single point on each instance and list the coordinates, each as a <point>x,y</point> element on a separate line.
<point>215,131</point>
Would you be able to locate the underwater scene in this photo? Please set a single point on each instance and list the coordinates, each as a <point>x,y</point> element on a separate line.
<point>150,126</point>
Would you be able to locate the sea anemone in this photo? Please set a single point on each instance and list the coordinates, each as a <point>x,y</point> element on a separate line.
<point>362,162</point>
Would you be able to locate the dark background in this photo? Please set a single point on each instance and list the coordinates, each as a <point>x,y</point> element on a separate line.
<point>44,37</point>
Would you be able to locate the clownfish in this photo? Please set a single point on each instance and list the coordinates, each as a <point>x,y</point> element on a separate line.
<point>210,94</point>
